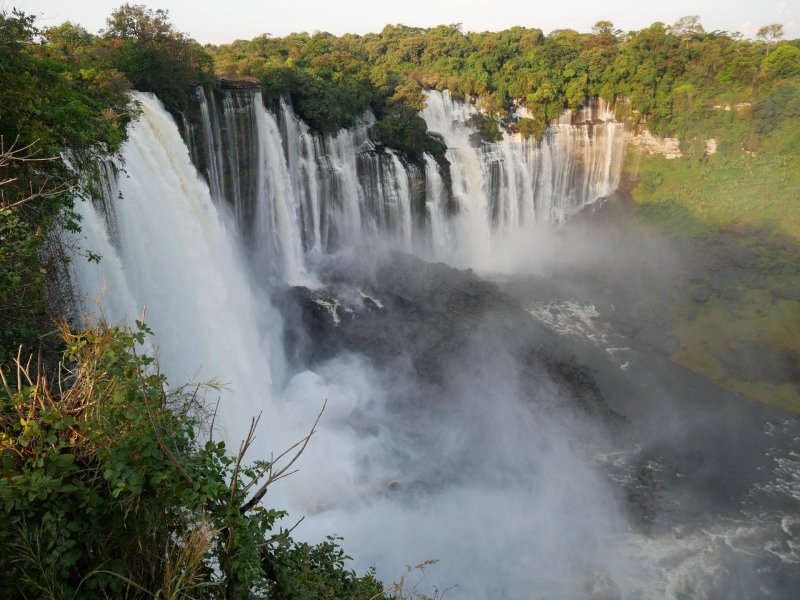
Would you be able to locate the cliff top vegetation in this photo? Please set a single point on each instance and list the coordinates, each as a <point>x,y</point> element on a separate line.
<point>667,72</point>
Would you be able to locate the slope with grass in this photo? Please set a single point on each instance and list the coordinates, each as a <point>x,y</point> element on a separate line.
<point>738,319</point>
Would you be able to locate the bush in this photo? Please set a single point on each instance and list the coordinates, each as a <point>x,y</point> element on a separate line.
<point>407,132</point>
<point>651,180</point>
<point>154,56</point>
<point>107,490</point>
<point>784,62</point>
<point>528,128</point>
<point>781,104</point>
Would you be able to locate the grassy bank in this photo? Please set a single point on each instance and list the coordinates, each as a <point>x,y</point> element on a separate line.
<point>696,197</point>
<point>737,315</point>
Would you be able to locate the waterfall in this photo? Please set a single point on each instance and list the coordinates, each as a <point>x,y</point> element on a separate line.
<point>436,207</point>
<point>298,195</point>
<point>277,235</point>
<point>305,177</point>
<point>502,188</point>
<point>211,144</point>
<point>240,148</point>
<point>469,173</point>
<point>403,468</point>
<point>175,255</point>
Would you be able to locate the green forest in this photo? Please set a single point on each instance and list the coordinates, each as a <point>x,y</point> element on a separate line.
<point>109,486</point>
<point>671,75</point>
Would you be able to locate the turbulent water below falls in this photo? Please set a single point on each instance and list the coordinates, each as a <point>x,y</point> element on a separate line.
<point>459,426</point>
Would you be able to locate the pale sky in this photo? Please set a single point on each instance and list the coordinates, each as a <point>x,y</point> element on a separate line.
<point>219,21</point>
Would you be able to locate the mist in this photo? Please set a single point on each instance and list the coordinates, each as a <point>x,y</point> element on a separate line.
<point>467,464</point>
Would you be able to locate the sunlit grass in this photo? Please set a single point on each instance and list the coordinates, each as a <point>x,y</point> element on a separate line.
<point>686,197</point>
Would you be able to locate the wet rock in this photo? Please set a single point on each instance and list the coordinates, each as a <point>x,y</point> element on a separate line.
<point>433,316</point>
<point>625,327</point>
<point>641,494</point>
<point>602,587</point>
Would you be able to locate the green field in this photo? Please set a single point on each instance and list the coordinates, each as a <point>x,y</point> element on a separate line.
<point>738,320</point>
<point>753,192</point>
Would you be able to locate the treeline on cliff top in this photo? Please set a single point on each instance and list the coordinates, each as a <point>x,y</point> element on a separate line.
<point>670,74</point>
<point>665,71</point>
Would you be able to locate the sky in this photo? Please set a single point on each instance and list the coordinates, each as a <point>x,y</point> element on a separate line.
<point>220,21</point>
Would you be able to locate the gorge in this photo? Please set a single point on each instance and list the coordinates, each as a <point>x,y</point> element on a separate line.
<point>402,315</point>
<point>460,318</point>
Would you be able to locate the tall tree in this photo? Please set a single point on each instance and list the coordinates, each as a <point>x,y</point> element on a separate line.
<point>153,55</point>
<point>770,33</point>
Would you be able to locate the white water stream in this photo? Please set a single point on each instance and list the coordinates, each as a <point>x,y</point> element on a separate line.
<point>175,255</point>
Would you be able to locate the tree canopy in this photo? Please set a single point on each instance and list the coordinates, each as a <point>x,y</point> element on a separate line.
<point>652,68</point>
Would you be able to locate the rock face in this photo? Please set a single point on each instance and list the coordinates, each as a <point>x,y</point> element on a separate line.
<point>238,84</point>
<point>669,147</point>
<point>434,317</point>
<point>652,144</point>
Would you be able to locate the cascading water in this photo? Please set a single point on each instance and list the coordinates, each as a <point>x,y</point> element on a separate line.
<point>505,188</point>
<point>277,235</point>
<point>174,254</point>
<point>436,208</point>
<point>211,144</point>
<point>323,193</point>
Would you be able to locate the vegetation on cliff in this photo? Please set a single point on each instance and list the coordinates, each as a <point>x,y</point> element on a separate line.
<point>735,192</point>
<point>47,105</point>
<point>668,73</point>
<point>742,309</point>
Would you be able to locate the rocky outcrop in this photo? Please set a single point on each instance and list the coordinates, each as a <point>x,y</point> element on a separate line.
<point>651,144</point>
<point>435,318</point>
<point>245,83</point>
